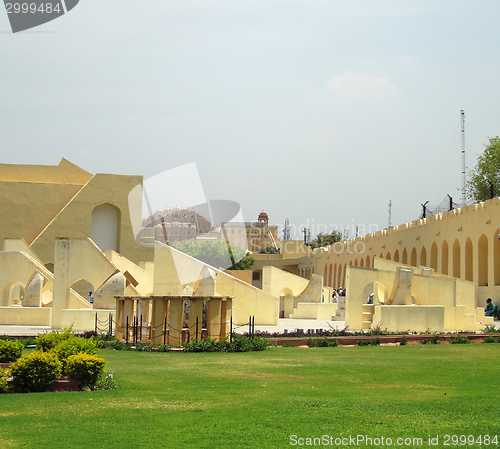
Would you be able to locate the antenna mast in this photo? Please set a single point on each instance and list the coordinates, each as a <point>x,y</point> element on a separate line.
<point>286,230</point>
<point>390,213</point>
<point>462,117</point>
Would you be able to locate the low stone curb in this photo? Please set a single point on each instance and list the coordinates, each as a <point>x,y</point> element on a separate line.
<point>384,339</point>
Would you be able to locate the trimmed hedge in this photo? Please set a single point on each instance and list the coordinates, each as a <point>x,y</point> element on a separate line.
<point>86,368</point>
<point>10,350</point>
<point>73,346</point>
<point>35,372</point>
<point>46,342</point>
<point>3,381</point>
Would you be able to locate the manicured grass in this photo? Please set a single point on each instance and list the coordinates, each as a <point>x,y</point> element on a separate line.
<point>259,399</point>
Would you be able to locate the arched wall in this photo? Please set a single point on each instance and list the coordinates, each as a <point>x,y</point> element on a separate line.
<point>469,276</point>
<point>434,256</point>
<point>105,229</point>
<point>444,258</point>
<point>482,261</point>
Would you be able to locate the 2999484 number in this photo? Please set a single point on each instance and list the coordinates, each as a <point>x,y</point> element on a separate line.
<point>470,440</point>
<point>32,8</point>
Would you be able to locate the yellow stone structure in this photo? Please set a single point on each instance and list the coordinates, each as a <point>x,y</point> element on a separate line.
<point>460,247</point>
<point>41,203</point>
<point>69,250</point>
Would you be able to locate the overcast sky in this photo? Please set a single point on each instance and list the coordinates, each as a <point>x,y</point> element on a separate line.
<point>319,111</point>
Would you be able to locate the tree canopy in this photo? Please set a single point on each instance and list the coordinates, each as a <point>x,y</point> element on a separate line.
<point>269,250</point>
<point>217,254</point>
<point>484,179</point>
<point>326,239</point>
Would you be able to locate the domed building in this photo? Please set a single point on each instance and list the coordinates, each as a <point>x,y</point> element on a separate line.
<point>177,223</point>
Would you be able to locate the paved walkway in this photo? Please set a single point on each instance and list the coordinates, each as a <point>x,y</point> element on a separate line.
<point>292,324</point>
<point>24,331</point>
<point>284,324</point>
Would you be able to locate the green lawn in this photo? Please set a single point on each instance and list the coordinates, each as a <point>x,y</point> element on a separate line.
<point>260,399</point>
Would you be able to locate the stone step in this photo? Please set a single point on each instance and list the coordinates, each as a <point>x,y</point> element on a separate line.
<point>367,324</point>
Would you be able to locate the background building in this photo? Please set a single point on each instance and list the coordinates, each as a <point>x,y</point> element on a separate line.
<point>177,223</point>
<point>254,235</point>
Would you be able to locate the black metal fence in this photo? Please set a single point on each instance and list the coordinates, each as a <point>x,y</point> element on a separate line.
<point>139,330</point>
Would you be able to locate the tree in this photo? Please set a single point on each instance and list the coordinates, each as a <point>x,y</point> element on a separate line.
<point>269,250</point>
<point>217,254</point>
<point>326,239</point>
<point>484,179</point>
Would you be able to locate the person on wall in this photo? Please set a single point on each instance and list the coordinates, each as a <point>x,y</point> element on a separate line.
<point>488,310</point>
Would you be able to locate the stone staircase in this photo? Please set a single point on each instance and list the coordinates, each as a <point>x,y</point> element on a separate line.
<point>368,310</point>
<point>340,312</point>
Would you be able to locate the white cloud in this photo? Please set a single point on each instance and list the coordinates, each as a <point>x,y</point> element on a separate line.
<point>361,87</point>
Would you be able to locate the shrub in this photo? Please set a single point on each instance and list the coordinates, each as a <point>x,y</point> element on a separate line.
<point>35,372</point>
<point>10,350</point>
<point>238,343</point>
<point>258,343</point>
<point>459,340</point>
<point>86,368</point>
<point>207,345</point>
<point>164,348</point>
<point>3,381</point>
<point>490,339</point>
<point>117,345</point>
<point>46,342</point>
<point>73,346</point>
<point>431,341</point>
<point>322,343</point>
<point>370,342</point>
<point>104,340</point>
<point>404,341</point>
<point>144,347</point>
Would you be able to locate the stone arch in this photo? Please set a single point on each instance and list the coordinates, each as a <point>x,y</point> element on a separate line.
<point>423,257</point>
<point>355,262</point>
<point>381,256</point>
<point>469,276</point>
<point>330,276</point>
<point>388,256</point>
<point>325,275</point>
<point>105,231</point>
<point>368,264</point>
<point>84,288</point>
<point>339,276</point>
<point>396,256</point>
<point>34,290</point>
<point>413,257</point>
<point>404,258</point>
<point>13,293</point>
<point>361,262</point>
<point>482,261</point>
<point>434,256</point>
<point>286,302</point>
<point>456,259</point>
<point>104,296</point>
<point>444,257</point>
<point>334,279</point>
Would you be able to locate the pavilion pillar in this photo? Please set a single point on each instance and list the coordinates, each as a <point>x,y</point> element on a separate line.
<point>195,311</point>
<point>176,312</point>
